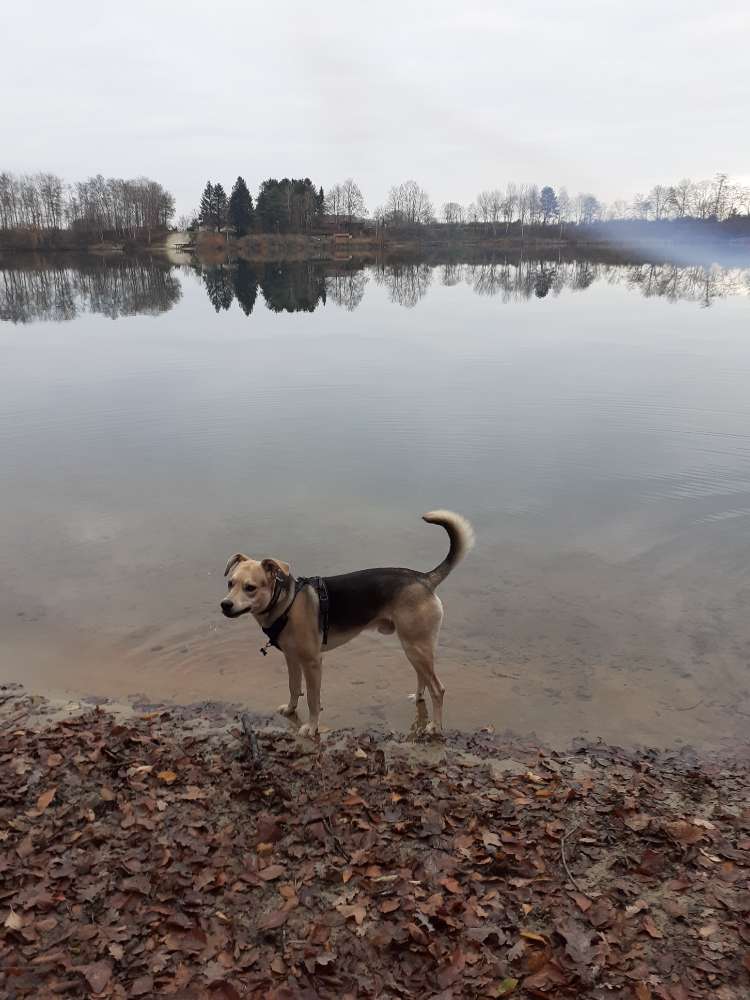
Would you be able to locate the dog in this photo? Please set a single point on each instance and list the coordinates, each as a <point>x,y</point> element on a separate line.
<point>306,621</point>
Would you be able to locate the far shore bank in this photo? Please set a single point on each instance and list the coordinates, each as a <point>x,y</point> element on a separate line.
<point>366,247</point>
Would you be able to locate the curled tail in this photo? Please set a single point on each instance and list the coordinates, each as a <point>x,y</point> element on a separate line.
<point>461,536</point>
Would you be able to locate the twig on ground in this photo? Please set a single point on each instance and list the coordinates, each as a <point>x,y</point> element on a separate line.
<point>568,872</point>
<point>252,739</point>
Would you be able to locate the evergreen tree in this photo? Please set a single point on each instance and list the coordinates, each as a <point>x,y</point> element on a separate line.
<point>220,206</point>
<point>241,207</point>
<point>206,210</point>
<point>548,200</point>
<point>287,206</point>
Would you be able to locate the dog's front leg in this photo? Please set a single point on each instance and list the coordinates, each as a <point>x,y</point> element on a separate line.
<point>295,686</point>
<point>312,670</point>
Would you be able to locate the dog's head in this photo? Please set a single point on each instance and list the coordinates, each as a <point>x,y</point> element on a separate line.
<point>252,584</point>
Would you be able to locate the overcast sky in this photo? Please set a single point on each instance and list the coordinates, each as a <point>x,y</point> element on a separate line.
<point>608,97</point>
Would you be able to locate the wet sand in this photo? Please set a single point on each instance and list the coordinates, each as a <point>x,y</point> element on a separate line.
<point>634,652</point>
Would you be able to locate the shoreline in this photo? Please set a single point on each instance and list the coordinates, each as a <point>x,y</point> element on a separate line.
<point>210,247</point>
<point>164,854</point>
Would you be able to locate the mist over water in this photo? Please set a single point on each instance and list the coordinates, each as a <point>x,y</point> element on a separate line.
<point>589,415</point>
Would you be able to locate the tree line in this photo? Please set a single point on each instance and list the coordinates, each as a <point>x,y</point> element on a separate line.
<point>714,200</point>
<point>43,203</point>
<point>289,206</point>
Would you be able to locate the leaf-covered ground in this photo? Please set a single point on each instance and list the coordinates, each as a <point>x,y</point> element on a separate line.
<point>151,856</point>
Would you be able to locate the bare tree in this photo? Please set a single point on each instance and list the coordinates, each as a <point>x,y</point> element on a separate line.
<point>658,196</point>
<point>334,203</point>
<point>409,204</point>
<point>345,202</point>
<point>453,213</point>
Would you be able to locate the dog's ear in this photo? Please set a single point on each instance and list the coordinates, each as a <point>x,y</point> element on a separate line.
<point>238,557</point>
<point>275,567</point>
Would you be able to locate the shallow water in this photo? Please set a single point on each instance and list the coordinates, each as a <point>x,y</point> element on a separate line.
<point>591,419</point>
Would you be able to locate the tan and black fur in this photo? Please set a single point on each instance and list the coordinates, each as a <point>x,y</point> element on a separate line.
<point>389,600</point>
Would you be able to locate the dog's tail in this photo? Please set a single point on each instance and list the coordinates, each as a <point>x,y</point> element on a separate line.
<point>461,535</point>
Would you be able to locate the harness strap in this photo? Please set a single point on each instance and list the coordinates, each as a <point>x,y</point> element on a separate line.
<point>320,585</point>
<point>276,627</point>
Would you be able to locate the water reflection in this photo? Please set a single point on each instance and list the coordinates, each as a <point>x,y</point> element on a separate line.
<point>59,288</point>
<point>407,282</point>
<point>347,288</point>
<point>299,286</point>
<point>38,287</point>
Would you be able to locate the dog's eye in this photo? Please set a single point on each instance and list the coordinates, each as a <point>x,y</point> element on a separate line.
<point>249,588</point>
<point>229,584</point>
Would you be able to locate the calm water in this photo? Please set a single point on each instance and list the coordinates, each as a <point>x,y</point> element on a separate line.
<point>592,419</point>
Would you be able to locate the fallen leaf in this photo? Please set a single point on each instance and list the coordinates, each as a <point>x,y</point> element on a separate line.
<point>577,940</point>
<point>272,872</point>
<point>192,793</point>
<point>642,991</point>
<point>26,847</point>
<point>272,920</point>
<point>13,922</point>
<point>501,989</point>
<point>389,905</point>
<point>637,907</point>
<point>533,936</point>
<point>359,912</point>
<point>450,884</point>
<point>602,913</point>
<point>684,832</point>
<point>549,976</point>
<point>97,974</point>
<point>651,929</point>
<point>518,950</point>
<point>142,985</point>
<point>637,822</point>
<point>450,973</point>
<point>168,777</point>
<point>44,799</point>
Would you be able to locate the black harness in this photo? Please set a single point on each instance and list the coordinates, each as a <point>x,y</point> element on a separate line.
<point>276,627</point>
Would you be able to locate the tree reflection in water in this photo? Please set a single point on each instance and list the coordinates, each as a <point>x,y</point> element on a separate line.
<point>39,287</point>
<point>61,287</point>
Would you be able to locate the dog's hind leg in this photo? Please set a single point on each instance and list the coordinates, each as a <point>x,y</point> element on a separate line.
<point>418,629</point>
<point>295,687</point>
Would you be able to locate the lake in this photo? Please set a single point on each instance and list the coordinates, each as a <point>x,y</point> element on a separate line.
<point>591,417</point>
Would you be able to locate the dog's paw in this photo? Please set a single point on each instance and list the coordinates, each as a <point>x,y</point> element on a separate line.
<point>432,730</point>
<point>307,730</point>
<point>287,710</point>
